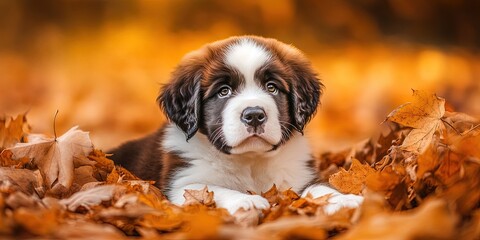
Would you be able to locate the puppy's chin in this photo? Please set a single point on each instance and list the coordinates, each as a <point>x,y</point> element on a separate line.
<point>252,144</point>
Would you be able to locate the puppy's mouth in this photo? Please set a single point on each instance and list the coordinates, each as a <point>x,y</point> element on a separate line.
<point>253,143</point>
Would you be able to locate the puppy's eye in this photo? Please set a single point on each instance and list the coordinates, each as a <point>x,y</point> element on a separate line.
<point>224,92</point>
<point>271,88</point>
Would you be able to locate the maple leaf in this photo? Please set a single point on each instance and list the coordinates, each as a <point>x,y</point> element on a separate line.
<point>353,180</point>
<point>13,132</point>
<point>203,197</point>
<point>424,115</point>
<point>54,157</point>
<point>272,195</point>
<point>384,180</point>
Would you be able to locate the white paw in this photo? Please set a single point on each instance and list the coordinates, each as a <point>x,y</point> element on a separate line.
<point>244,201</point>
<point>339,201</point>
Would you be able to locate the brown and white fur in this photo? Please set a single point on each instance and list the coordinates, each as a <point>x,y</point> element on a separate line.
<point>237,110</point>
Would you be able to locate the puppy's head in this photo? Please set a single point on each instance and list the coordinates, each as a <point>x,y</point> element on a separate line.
<point>246,94</point>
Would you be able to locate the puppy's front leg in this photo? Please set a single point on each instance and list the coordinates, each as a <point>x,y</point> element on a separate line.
<point>225,198</point>
<point>336,201</point>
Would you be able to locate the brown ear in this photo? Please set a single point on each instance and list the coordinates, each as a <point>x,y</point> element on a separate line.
<point>180,99</point>
<point>305,93</point>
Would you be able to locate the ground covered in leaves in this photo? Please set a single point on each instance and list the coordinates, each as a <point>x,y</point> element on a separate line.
<point>420,177</point>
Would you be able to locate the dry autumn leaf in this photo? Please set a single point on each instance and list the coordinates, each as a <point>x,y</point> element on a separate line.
<point>423,115</point>
<point>353,180</point>
<point>19,179</point>
<point>41,222</point>
<point>433,220</point>
<point>92,197</point>
<point>12,131</point>
<point>55,156</point>
<point>203,197</point>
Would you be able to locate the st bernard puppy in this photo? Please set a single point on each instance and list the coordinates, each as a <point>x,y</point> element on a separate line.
<point>237,110</point>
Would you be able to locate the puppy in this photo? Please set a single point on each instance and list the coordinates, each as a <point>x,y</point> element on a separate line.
<point>237,110</point>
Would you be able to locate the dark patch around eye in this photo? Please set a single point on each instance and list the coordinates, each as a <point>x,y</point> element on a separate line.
<point>217,78</point>
<point>272,72</point>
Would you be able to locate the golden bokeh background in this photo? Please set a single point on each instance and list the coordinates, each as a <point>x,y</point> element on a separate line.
<point>100,63</point>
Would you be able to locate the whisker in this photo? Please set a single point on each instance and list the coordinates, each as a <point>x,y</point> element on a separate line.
<point>287,123</point>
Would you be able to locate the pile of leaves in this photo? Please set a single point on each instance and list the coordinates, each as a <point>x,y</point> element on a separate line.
<point>419,176</point>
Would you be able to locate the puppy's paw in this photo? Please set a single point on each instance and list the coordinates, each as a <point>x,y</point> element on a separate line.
<point>246,202</point>
<point>336,201</point>
<point>339,201</point>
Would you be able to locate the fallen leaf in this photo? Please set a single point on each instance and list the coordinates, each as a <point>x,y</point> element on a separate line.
<point>419,139</point>
<point>85,230</point>
<point>92,197</point>
<point>272,195</point>
<point>468,145</point>
<point>7,161</point>
<point>167,218</point>
<point>432,220</point>
<point>293,227</point>
<point>203,197</point>
<point>83,175</point>
<point>39,222</point>
<point>462,123</point>
<point>113,177</point>
<point>427,162</point>
<point>20,179</point>
<point>55,157</point>
<point>463,193</point>
<point>102,162</point>
<point>202,225</point>
<point>384,180</point>
<point>13,131</point>
<point>166,221</point>
<point>423,115</point>
<point>20,199</point>
<point>353,180</point>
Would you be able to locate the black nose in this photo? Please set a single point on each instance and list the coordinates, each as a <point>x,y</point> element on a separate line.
<point>253,116</point>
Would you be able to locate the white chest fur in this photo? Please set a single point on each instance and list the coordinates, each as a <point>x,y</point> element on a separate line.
<point>286,167</point>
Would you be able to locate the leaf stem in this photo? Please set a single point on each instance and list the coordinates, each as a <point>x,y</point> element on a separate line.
<point>454,129</point>
<point>54,129</point>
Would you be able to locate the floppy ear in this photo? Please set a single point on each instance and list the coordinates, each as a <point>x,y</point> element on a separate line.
<point>305,93</point>
<point>180,99</point>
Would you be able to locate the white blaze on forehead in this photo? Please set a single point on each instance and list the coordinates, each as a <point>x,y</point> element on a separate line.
<point>246,56</point>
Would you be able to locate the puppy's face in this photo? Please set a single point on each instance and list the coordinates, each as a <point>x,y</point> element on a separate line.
<point>246,94</point>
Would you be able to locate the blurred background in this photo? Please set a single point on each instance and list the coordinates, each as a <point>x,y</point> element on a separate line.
<point>101,63</point>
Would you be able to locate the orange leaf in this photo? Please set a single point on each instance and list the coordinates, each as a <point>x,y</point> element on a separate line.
<point>353,180</point>
<point>14,131</point>
<point>271,195</point>
<point>203,197</point>
<point>384,180</point>
<point>423,115</point>
<point>55,156</point>
<point>432,220</point>
<point>39,222</point>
